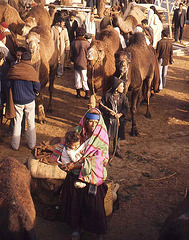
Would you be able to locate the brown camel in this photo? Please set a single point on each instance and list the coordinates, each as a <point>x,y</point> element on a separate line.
<point>10,15</point>
<point>38,16</point>
<point>42,47</point>
<point>176,226</point>
<point>136,65</point>
<point>101,8</point>
<point>101,60</point>
<point>127,22</point>
<point>17,211</point>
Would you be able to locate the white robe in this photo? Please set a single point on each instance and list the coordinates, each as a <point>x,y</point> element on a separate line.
<point>155,23</point>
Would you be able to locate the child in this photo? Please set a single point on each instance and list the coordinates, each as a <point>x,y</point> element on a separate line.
<point>165,56</point>
<point>117,101</point>
<point>72,152</point>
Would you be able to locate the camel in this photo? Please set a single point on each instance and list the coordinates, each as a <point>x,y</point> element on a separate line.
<point>176,226</point>
<point>43,50</point>
<point>10,15</point>
<point>136,66</point>
<point>17,211</point>
<point>101,60</point>
<point>101,8</point>
<point>127,22</point>
<point>38,16</point>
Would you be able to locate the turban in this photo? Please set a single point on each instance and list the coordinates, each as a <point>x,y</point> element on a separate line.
<point>4,24</point>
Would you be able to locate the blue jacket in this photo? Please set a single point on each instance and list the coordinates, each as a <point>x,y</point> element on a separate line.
<point>23,91</point>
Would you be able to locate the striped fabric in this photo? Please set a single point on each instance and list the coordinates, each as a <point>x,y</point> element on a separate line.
<point>58,151</point>
<point>96,155</point>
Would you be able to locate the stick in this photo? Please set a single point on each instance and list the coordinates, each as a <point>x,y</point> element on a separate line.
<point>164,177</point>
<point>110,110</point>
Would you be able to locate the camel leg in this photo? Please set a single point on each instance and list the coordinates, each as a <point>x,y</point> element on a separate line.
<point>134,98</point>
<point>51,87</point>
<point>148,115</point>
<point>40,109</point>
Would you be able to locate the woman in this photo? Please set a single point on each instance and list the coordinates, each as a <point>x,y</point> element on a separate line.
<point>154,21</point>
<point>83,208</point>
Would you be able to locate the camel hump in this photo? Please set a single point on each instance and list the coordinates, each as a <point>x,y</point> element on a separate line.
<point>138,39</point>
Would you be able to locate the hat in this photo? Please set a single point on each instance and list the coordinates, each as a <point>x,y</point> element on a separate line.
<point>115,83</point>
<point>4,24</point>
<point>2,36</point>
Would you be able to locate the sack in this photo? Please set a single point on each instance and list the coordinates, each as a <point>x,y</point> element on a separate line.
<point>39,169</point>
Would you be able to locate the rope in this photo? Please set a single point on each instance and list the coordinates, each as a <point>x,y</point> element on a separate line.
<point>92,78</point>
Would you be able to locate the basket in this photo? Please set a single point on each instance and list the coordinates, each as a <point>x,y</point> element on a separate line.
<point>108,200</point>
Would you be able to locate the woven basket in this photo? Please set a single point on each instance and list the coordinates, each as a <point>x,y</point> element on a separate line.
<point>108,200</point>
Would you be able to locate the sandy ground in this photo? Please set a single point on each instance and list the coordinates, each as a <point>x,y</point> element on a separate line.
<point>153,175</point>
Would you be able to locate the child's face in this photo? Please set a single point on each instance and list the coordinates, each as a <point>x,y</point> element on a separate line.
<point>74,145</point>
<point>120,88</point>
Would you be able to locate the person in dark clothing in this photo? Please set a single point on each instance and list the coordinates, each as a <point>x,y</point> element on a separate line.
<point>71,25</point>
<point>114,116</point>
<point>19,52</point>
<point>179,20</point>
<point>24,84</point>
<point>78,55</point>
<point>164,52</point>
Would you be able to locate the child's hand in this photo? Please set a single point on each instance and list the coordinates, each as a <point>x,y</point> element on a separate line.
<point>63,167</point>
<point>82,152</point>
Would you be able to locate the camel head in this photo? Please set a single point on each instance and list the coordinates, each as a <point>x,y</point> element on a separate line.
<point>123,59</point>
<point>30,23</point>
<point>32,42</point>
<point>96,52</point>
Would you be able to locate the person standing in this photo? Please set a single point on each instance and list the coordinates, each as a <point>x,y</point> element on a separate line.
<point>71,25</point>
<point>154,21</point>
<point>90,25</point>
<point>78,55</point>
<point>114,107</point>
<point>24,83</point>
<point>60,36</point>
<point>164,52</point>
<point>148,32</point>
<point>179,20</point>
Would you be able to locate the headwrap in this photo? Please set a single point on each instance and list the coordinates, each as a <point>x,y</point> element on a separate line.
<point>4,24</point>
<point>92,116</point>
<point>2,36</point>
<point>96,155</point>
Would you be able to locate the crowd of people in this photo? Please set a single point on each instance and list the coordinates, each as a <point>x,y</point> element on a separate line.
<point>84,153</point>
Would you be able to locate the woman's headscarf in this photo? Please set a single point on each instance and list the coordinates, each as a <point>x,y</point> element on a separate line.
<point>96,155</point>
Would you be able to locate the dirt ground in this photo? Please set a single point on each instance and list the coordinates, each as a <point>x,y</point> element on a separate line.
<point>153,175</point>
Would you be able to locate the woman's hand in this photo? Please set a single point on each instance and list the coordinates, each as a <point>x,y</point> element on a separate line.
<point>118,115</point>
